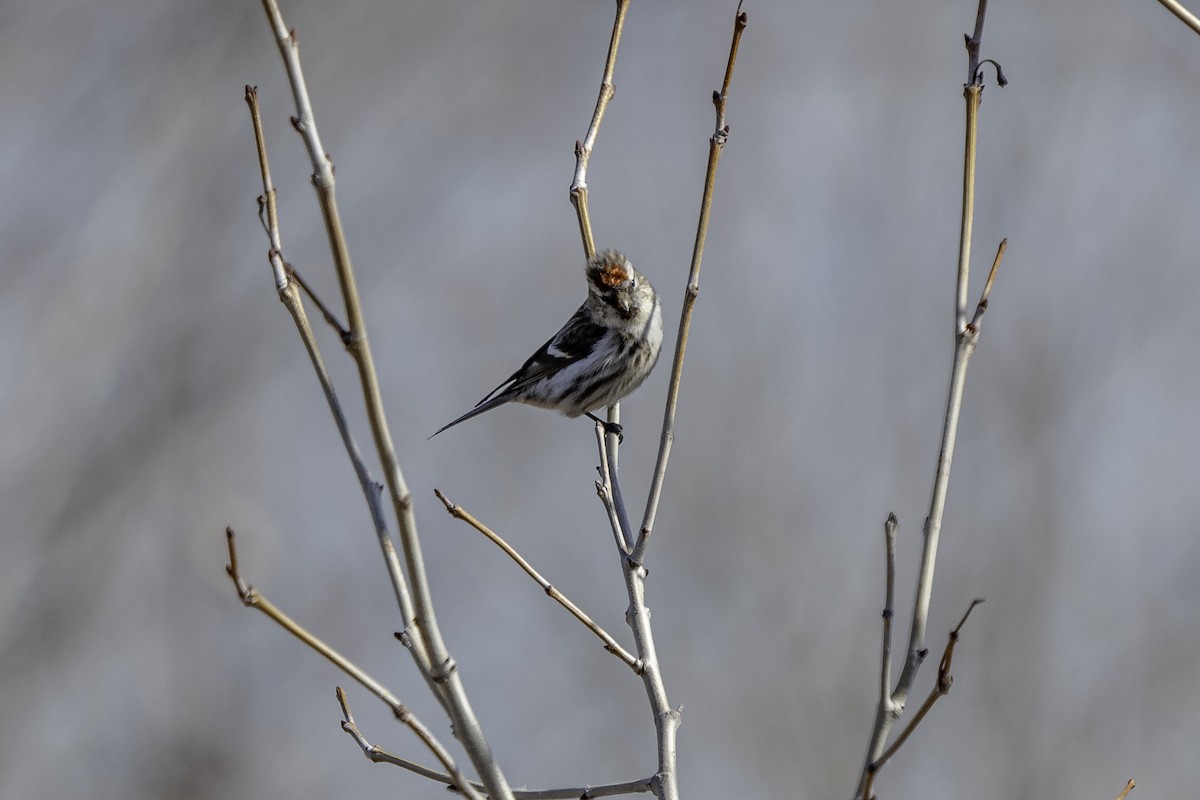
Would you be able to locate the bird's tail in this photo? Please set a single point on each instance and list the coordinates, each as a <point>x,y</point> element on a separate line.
<point>485,405</point>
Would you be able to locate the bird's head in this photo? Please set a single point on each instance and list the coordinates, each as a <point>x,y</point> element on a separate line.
<point>616,287</point>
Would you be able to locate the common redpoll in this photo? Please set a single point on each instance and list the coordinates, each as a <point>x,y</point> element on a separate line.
<point>602,354</point>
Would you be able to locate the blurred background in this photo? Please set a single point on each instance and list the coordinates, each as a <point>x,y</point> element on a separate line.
<point>153,391</point>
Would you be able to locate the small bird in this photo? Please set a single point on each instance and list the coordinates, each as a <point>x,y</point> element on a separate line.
<point>604,352</point>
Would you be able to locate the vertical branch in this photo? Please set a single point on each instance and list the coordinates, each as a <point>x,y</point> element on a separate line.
<point>439,669</point>
<point>965,340</point>
<point>583,149</point>
<point>716,144</point>
<point>966,337</point>
<point>666,719</point>
<point>579,199</point>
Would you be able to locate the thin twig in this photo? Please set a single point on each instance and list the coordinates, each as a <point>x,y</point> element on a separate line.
<point>1128,788</point>
<point>974,42</point>
<point>941,688</point>
<point>437,666</point>
<point>981,306</point>
<point>252,598</point>
<point>1189,19</point>
<point>330,318</point>
<point>583,149</point>
<point>666,718</point>
<point>885,669</point>
<point>610,644</point>
<point>266,201</point>
<point>609,490</point>
<point>378,755</point>
<point>579,199</point>
<point>716,144</point>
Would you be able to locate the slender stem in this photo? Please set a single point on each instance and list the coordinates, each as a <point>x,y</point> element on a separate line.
<point>1128,788</point>
<point>666,719</point>
<point>439,668</point>
<point>885,670</point>
<point>610,644</point>
<point>972,93</point>
<point>378,755</point>
<point>608,444</point>
<point>885,711</point>
<point>583,149</point>
<point>252,598</point>
<point>941,687</point>
<point>605,491</point>
<point>975,42</point>
<point>1187,18</point>
<point>716,144</point>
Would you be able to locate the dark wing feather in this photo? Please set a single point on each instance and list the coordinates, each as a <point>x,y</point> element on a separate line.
<point>574,341</point>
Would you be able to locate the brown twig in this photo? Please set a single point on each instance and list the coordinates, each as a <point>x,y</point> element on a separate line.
<point>716,144</point>
<point>252,598</point>
<point>610,644</point>
<point>583,148</point>
<point>1128,788</point>
<point>378,755</point>
<point>942,688</point>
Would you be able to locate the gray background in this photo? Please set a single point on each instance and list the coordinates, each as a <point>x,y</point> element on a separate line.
<point>153,390</point>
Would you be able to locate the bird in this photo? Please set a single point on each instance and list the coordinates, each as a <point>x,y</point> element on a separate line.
<point>604,351</point>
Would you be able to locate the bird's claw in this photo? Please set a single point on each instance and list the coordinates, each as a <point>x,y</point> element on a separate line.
<point>610,428</point>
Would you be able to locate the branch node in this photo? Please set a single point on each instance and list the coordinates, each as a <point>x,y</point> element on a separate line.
<point>442,672</point>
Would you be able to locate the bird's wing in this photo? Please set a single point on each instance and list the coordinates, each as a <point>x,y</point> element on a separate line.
<point>574,341</point>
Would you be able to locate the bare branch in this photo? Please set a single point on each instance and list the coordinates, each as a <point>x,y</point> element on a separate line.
<point>266,201</point>
<point>716,144</point>
<point>378,755</point>
<point>944,681</point>
<point>583,149</point>
<point>885,668</point>
<point>974,42</point>
<point>966,337</point>
<point>330,318</point>
<point>610,644</point>
<point>610,490</point>
<point>940,689</point>
<point>252,598</point>
<point>292,301</point>
<point>1186,17</point>
<point>973,326</point>
<point>426,643</point>
<point>1128,788</point>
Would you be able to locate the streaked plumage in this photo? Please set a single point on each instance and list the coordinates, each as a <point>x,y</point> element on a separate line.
<point>603,353</point>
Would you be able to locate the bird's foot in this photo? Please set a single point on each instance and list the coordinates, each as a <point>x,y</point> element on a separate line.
<point>610,428</point>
